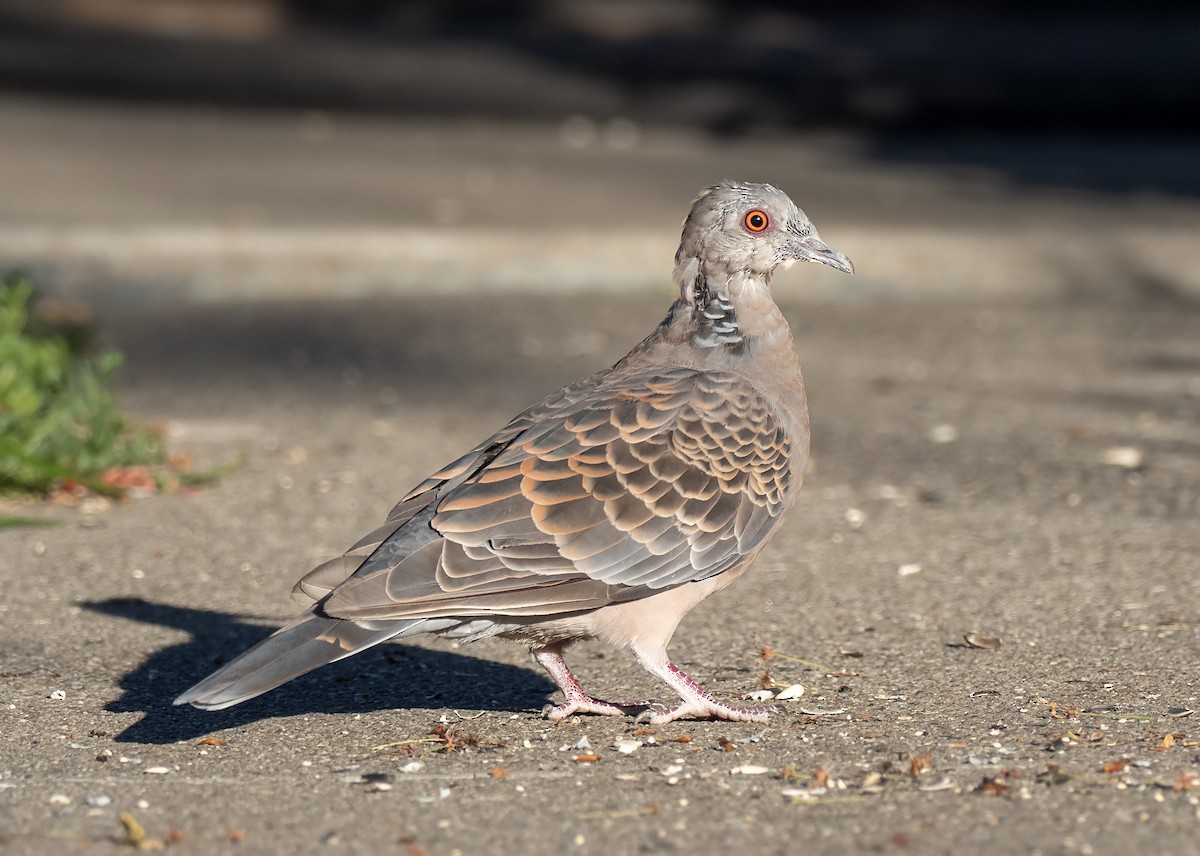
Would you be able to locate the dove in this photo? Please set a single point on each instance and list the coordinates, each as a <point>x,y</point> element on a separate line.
<point>606,511</point>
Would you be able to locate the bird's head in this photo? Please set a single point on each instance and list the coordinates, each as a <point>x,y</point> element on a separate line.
<point>740,228</point>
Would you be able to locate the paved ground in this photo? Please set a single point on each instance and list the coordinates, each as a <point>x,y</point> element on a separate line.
<point>121,204</point>
<point>1088,573</point>
<point>962,441</point>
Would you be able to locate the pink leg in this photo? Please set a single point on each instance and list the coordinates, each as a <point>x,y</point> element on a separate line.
<point>696,702</point>
<point>578,701</point>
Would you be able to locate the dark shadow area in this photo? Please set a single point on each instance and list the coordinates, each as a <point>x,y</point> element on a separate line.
<point>351,349</point>
<point>1122,163</point>
<point>926,68</point>
<point>387,677</point>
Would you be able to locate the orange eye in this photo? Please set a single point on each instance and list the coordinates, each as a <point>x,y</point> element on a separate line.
<point>756,220</point>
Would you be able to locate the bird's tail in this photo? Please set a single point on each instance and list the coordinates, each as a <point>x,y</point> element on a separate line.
<point>307,643</point>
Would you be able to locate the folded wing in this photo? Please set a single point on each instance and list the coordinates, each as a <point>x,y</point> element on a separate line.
<point>607,491</point>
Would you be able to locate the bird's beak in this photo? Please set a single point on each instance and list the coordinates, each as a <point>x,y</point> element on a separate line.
<point>813,249</point>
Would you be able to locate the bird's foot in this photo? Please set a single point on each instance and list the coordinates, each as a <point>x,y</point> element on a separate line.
<point>706,709</point>
<point>696,702</point>
<point>587,704</point>
<point>578,701</point>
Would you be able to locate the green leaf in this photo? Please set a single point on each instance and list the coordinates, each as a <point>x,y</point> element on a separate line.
<point>59,418</point>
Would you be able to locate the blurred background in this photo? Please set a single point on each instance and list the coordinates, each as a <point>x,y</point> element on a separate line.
<point>165,150</point>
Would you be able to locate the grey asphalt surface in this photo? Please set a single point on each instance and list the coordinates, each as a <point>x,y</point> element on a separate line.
<point>120,205</point>
<point>959,486</point>
<point>1087,572</point>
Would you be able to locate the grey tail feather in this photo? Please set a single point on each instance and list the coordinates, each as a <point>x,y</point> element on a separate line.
<point>307,643</point>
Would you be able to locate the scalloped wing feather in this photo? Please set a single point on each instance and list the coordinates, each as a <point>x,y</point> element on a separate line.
<point>646,481</point>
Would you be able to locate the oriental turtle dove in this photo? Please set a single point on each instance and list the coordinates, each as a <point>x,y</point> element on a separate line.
<point>609,509</point>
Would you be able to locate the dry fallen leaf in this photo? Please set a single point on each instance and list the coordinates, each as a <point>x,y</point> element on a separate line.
<point>1053,775</point>
<point>586,759</point>
<point>1065,712</point>
<point>1168,740</point>
<point>1185,782</point>
<point>212,741</point>
<point>414,849</point>
<point>135,835</point>
<point>1115,766</point>
<point>917,764</point>
<point>992,787</point>
<point>821,778</point>
<point>682,739</point>
<point>135,479</point>
<point>726,744</point>
<point>499,773</point>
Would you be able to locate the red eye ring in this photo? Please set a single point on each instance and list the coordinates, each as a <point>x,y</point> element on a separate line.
<point>756,220</point>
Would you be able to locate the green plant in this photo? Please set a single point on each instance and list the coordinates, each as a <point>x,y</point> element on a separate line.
<point>59,419</point>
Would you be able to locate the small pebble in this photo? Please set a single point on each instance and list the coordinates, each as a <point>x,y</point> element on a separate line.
<point>942,785</point>
<point>943,433</point>
<point>802,793</point>
<point>156,771</point>
<point>1128,457</point>
<point>441,794</point>
<point>99,800</point>
<point>578,132</point>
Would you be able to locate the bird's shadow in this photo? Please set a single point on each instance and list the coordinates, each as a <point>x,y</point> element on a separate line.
<point>383,678</point>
